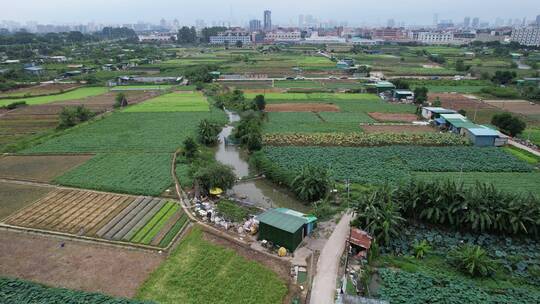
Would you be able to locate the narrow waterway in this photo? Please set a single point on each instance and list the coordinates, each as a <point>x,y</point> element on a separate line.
<point>259,192</point>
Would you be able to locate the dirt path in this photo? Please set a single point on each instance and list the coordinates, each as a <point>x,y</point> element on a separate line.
<point>523,147</point>
<point>324,283</point>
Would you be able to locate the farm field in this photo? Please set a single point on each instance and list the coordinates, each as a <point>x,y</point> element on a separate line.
<point>129,132</point>
<point>26,122</point>
<point>511,182</point>
<point>407,129</point>
<point>134,173</point>
<point>72,95</point>
<point>392,117</point>
<point>39,168</point>
<point>377,165</point>
<point>78,265</point>
<point>533,134</point>
<point>455,89</point>
<point>306,122</point>
<point>523,107</point>
<point>102,215</point>
<point>301,107</point>
<point>142,87</point>
<point>38,90</point>
<point>226,276</point>
<point>14,197</point>
<point>173,102</point>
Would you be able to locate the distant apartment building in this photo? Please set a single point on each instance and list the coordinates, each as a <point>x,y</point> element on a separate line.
<point>255,25</point>
<point>529,36</point>
<point>433,37</point>
<point>231,38</point>
<point>365,42</point>
<point>280,36</point>
<point>267,20</point>
<point>388,34</point>
<point>157,37</point>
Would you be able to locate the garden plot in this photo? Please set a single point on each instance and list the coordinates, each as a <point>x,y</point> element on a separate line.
<point>302,107</point>
<point>144,220</point>
<point>43,168</point>
<point>393,117</point>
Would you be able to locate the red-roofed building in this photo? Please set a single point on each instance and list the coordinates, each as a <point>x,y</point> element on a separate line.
<point>360,242</point>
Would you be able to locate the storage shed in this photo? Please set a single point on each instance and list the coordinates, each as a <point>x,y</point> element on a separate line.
<point>482,136</point>
<point>402,94</point>
<point>285,227</point>
<point>435,112</point>
<point>455,123</point>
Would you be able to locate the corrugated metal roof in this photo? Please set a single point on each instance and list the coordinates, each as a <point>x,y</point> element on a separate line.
<point>307,218</point>
<point>480,130</point>
<point>281,220</point>
<point>439,110</point>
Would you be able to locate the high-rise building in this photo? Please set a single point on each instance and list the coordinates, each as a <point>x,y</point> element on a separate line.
<point>267,20</point>
<point>475,22</point>
<point>529,36</point>
<point>254,25</point>
<point>467,22</point>
<point>390,23</point>
<point>301,20</point>
<point>435,19</point>
<point>538,20</point>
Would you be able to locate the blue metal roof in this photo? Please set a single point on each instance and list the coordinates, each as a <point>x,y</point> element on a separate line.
<point>483,131</point>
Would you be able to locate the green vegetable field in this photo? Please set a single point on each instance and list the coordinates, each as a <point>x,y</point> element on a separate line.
<point>376,165</point>
<point>144,173</point>
<point>71,95</point>
<point>150,229</point>
<point>129,132</point>
<point>200,272</point>
<point>173,102</point>
<point>307,122</point>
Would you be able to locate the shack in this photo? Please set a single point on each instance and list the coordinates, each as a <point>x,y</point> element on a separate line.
<point>360,242</point>
<point>285,227</point>
<point>402,95</point>
<point>482,136</point>
<point>455,123</point>
<point>435,112</point>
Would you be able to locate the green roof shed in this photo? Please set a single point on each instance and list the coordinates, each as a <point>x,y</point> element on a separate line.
<point>282,228</point>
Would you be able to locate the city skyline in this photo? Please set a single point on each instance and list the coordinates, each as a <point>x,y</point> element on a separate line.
<point>239,12</point>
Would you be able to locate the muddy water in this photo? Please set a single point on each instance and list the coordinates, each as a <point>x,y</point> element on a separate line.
<point>259,192</point>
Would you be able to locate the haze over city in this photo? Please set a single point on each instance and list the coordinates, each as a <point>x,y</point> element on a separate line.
<point>237,12</point>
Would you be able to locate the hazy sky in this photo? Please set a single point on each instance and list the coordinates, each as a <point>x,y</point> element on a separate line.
<point>283,11</point>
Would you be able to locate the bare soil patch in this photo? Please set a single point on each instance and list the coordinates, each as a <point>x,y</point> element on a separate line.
<point>517,106</point>
<point>399,117</point>
<point>458,101</point>
<point>14,197</point>
<point>302,107</point>
<point>397,129</point>
<point>39,168</point>
<point>77,265</point>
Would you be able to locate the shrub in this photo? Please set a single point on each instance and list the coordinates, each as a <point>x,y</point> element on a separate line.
<point>208,132</point>
<point>190,148</point>
<point>509,123</point>
<point>312,183</point>
<point>473,261</point>
<point>421,249</point>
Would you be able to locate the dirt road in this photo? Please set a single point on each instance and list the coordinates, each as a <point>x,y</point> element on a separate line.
<point>324,284</point>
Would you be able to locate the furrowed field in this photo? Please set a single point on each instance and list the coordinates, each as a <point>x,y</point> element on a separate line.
<point>129,132</point>
<point>143,173</point>
<point>201,272</point>
<point>173,102</point>
<point>378,165</point>
<point>72,95</point>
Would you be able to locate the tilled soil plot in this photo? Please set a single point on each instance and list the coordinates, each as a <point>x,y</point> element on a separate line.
<point>302,107</point>
<point>398,117</point>
<point>458,101</point>
<point>41,89</point>
<point>42,168</point>
<point>517,106</point>
<point>74,264</point>
<point>397,129</point>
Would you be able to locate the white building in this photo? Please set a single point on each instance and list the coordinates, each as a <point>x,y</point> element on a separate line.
<point>435,37</point>
<point>284,36</point>
<point>231,38</point>
<point>316,39</point>
<point>365,42</point>
<point>529,36</point>
<point>157,37</point>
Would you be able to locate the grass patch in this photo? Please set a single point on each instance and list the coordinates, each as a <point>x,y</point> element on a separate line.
<point>523,155</point>
<point>173,102</point>
<point>532,134</point>
<point>71,95</point>
<point>143,173</point>
<point>200,272</point>
<point>235,212</point>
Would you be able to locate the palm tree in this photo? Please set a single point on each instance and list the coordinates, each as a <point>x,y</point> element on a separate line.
<point>312,184</point>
